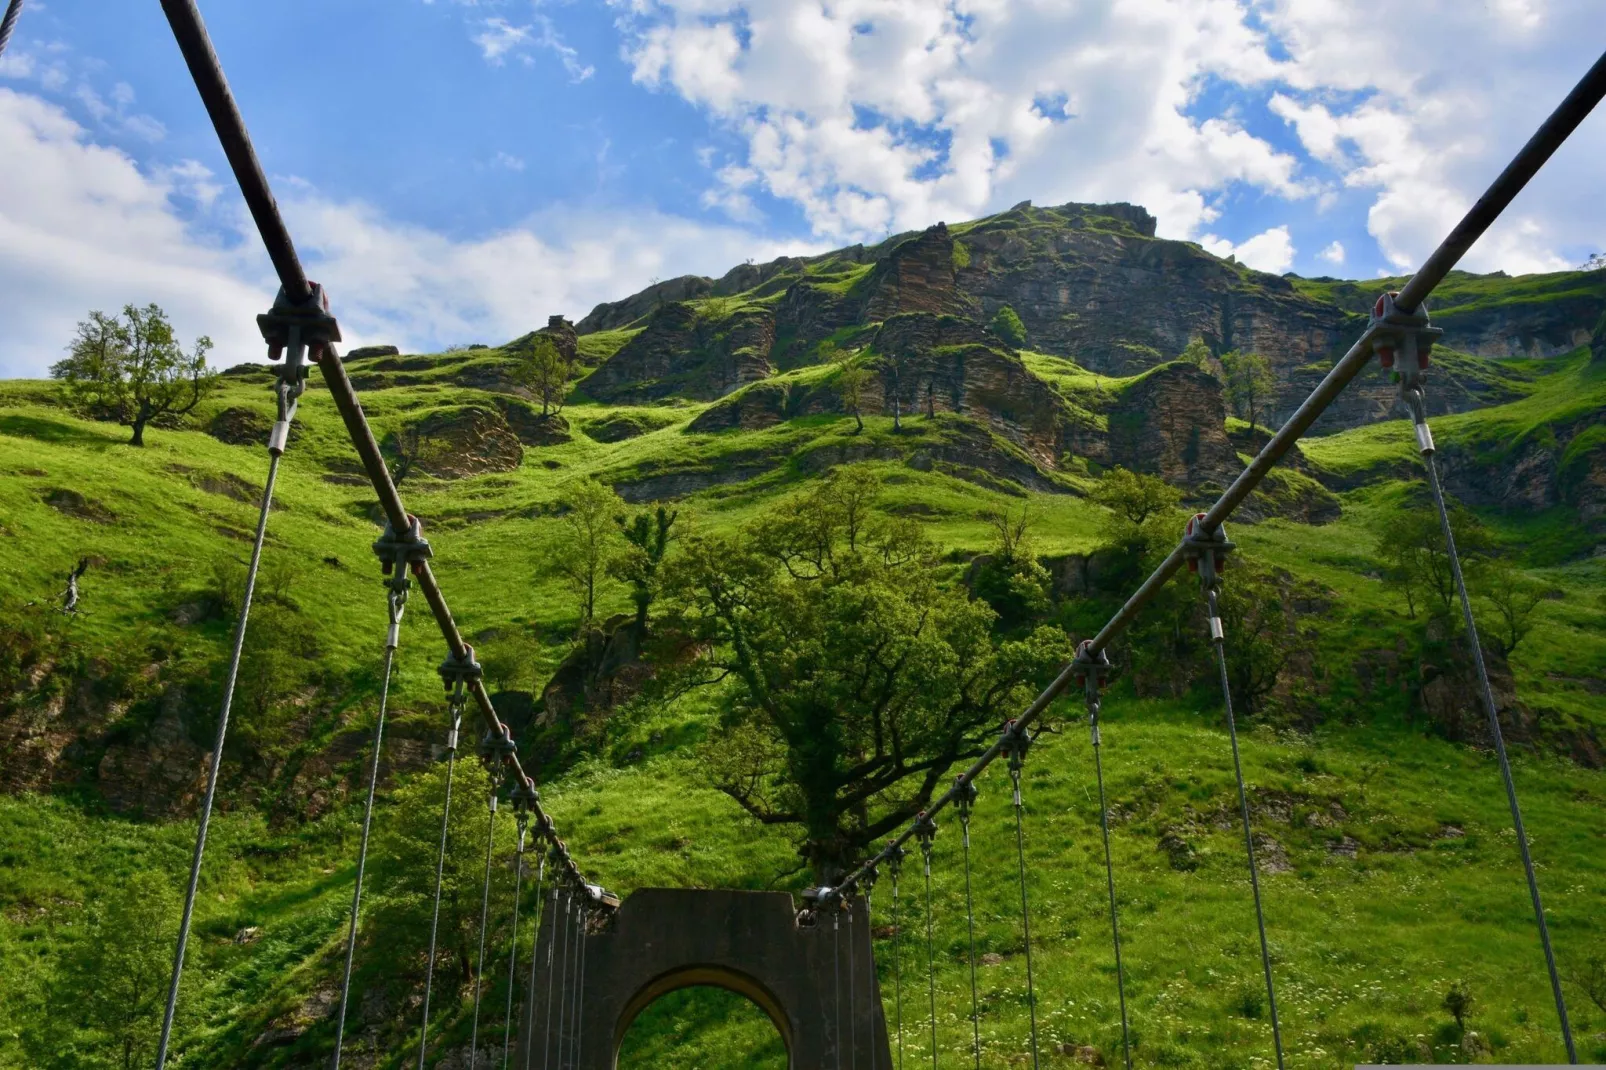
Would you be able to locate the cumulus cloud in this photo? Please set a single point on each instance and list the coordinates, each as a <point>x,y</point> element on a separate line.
<point>83,226</point>
<point>876,115</point>
<point>1270,250</point>
<point>1333,254</point>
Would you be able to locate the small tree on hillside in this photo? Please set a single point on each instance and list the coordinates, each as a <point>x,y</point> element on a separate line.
<point>1006,324</point>
<point>134,370</point>
<point>1143,510</point>
<point>1197,353</point>
<point>1012,580</point>
<point>1249,384</point>
<point>851,379</point>
<point>544,371</point>
<point>648,535</point>
<point>1513,598</point>
<point>1411,543</point>
<point>586,542</point>
<point>856,679</point>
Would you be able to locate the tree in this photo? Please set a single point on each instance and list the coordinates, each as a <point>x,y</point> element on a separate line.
<point>648,536</point>
<point>1513,599</point>
<point>1011,579</point>
<point>134,370</point>
<point>1142,510</point>
<point>1197,353</point>
<point>896,363</point>
<point>1006,324</point>
<point>1458,1001</point>
<point>851,379</point>
<point>406,447</point>
<point>586,542</point>
<point>114,980</point>
<point>1262,637</point>
<point>1411,542</point>
<point>1587,973</point>
<point>856,680</point>
<point>1596,262</point>
<point>1249,384</point>
<point>544,370</point>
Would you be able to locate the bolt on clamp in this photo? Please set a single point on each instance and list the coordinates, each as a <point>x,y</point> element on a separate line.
<point>496,746</point>
<point>458,673</point>
<point>524,797</point>
<point>289,329</point>
<point>925,833</point>
<point>1092,671</point>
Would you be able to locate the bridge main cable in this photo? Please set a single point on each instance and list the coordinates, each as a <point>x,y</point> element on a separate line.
<point>1529,159</point>
<point>190,32</point>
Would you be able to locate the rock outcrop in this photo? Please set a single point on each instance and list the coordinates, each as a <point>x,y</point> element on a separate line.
<point>467,441</point>
<point>684,353</point>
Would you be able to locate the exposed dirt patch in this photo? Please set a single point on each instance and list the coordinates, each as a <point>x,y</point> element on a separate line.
<point>71,503</point>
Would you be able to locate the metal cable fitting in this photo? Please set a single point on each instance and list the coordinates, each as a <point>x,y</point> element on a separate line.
<point>496,746</point>
<point>1403,341</point>
<point>965,795</point>
<point>1092,671</point>
<point>524,797</point>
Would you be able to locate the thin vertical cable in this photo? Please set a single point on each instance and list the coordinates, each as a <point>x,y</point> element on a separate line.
<point>513,959</point>
<point>1109,879</point>
<point>367,825</point>
<point>563,987</point>
<point>1025,912</point>
<point>931,962</point>
<point>1219,641</point>
<point>440,873</point>
<point>580,1000</point>
<point>1487,693</point>
<point>485,912</point>
<point>874,995</point>
<point>970,928</point>
<point>897,964</point>
<point>836,983</point>
<point>217,761</point>
<point>853,1003</point>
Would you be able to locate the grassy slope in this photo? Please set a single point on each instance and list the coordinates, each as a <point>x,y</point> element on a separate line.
<point>1365,946</point>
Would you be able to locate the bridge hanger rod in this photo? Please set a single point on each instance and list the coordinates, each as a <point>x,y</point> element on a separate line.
<point>206,70</point>
<point>1544,143</point>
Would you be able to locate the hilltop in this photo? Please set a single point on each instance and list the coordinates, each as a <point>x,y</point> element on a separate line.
<point>720,397</point>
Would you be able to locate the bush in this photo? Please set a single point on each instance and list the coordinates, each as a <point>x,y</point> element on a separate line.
<point>1007,325</point>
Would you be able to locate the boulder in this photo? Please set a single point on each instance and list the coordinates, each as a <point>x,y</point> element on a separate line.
<point>364,352</point>
<point>468,441</point>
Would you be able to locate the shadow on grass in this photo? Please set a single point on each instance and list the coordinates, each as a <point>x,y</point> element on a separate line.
<point>37,427</point>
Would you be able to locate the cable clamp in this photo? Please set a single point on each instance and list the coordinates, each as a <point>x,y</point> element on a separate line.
<point>925,833</point>
<point>1403,341</point>
<point>400,553</point>
<point>965,795</point>
<point>459,673</point>
<point>1206,550</point>
<point>496,746</point>
<point>289,324</point>
<point>524,797</point>
<point>894,854</point>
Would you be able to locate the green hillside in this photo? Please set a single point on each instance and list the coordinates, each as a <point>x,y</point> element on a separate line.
<point>1390,870</point>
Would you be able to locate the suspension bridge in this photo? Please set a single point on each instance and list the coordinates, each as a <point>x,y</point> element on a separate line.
<point>596,961</point>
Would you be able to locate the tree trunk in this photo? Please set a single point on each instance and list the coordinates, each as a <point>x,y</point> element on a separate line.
<point>139,431</point>
<point>858,422</point>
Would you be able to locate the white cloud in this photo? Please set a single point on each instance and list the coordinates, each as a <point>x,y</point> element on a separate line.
<point>82,226</point>
<point>509,161</point>
<point>1270,250</point>
<point>873,115</point>
<point>1333,254</point>
<point>499,39</point>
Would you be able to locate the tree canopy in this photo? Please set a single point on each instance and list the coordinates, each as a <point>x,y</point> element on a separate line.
<point>544,371</point>
<point>133,370</point>
<point>1249,384</point>
<point>855,679</point>
<point>1006,324</point>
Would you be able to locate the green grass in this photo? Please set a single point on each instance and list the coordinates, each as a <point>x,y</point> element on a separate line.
<point>1364,946</point>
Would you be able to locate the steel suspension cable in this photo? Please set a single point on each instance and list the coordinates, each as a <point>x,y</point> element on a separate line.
<point>1206,549</point>
<point>555,966</point>
<point>1017,758</point>
<point>1109,879</point>
<point>485,911</point>
<point>836,984</point>
<point>926,835</point>
<point>853,1004</point>
<point>440,871</point>
<point>9,23</point>
<point>563,973</point>
<point>895,867</point>
<point>967,800</point>
<point>1414,400</point>
<point>396,600</point>
<point>874,995</point>
<point>287,391</point>
<point>580,999</point>
<point>513,956</point>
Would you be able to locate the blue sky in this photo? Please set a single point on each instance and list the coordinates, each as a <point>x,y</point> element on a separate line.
<point>457,170</point>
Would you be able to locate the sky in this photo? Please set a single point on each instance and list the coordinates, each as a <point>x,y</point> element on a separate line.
<point>456,171</point>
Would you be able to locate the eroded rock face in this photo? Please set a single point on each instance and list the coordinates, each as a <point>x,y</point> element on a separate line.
<point>1171,424</point>
<point>681,353</point>
<point>917,276</point>
<point>467,442</point>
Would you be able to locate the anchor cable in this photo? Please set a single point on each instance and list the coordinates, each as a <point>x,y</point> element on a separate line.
<point>964,802</point>
<point>1429,458</point>
<point>927,833</point>
<point>396,599</point>
<point>288,389</point>
<point>1019,741</point>
<point>485,910</point>
<point>513,957</point>
<point>440,868</point>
